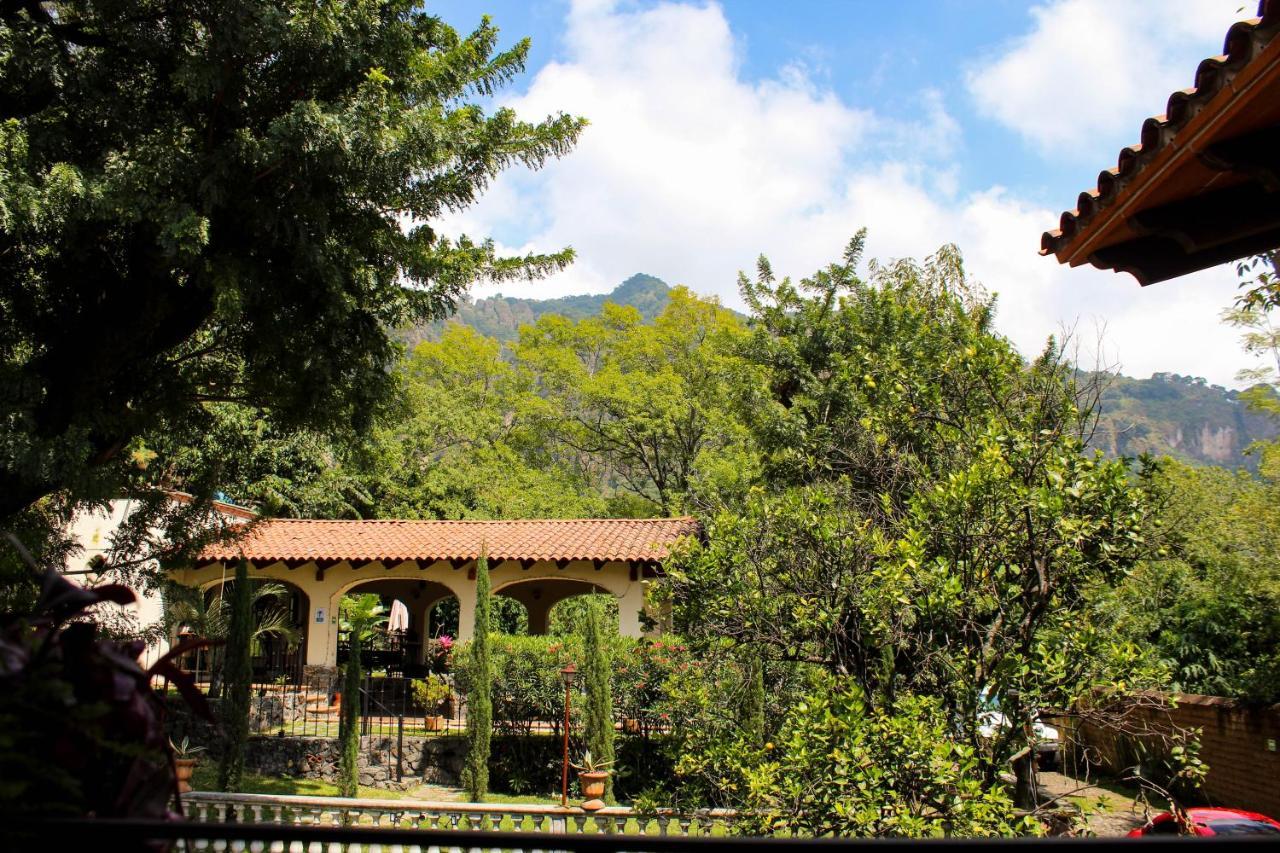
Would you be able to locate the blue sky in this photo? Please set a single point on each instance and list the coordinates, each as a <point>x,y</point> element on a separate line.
<point>724,130</point>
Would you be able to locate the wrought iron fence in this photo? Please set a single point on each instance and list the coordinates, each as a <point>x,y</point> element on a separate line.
<point>388,709</point>
<point>289,706</point>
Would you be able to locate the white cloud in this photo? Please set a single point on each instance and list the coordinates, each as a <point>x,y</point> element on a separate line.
<point>1091,68</point>
<point>689,171</point>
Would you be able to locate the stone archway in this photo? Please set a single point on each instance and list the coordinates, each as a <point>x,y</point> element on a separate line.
<point>271,655</point>
<point>419,596</point>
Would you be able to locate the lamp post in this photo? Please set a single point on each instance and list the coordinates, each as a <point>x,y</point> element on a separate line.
<point>568,675</point>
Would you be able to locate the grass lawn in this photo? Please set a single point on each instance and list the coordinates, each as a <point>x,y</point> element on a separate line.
<point>205,778</point>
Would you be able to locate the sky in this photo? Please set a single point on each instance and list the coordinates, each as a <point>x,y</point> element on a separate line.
<point>720,131</point>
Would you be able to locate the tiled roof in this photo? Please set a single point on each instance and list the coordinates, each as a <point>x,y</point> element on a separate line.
<point>1246,41</point>
<point>299,540</point>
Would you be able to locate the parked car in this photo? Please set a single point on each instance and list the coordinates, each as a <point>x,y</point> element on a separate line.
<point>991,720</point>
<point>1210,822</point>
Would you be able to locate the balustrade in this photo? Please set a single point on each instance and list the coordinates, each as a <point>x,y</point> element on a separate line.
<point>211,807</point>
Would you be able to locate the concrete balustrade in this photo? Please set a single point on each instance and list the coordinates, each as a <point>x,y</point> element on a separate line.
<point>210,807</point>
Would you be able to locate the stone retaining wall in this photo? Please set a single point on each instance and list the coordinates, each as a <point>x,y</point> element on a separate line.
<point>435,760</point>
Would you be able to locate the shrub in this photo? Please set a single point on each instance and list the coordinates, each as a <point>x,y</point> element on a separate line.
<point>239,678</point>
<point>431,693</point>
<point>599,715</point>
<point>475,773</point>
<point>846,768</point>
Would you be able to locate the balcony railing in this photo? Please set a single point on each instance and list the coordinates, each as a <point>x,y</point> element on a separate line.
<point>209,807</point>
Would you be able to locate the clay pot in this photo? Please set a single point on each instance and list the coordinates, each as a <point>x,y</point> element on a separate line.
<point>630,726</point>
<point>433,723</point>
<point>184,768</point>
<point>592,784</point>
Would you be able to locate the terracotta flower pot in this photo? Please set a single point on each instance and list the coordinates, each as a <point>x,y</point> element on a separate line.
<point>592,784</point>
<point>184,767</point>
<point>433,723</point>
<point>631,726</point>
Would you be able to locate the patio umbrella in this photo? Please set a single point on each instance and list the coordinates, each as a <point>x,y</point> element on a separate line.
<point>398,620</point>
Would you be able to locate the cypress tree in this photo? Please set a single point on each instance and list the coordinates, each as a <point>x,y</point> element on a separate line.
<point>349,722</point>
<point>238,678</point>
<point>599,716</point>
<point>475,774</point>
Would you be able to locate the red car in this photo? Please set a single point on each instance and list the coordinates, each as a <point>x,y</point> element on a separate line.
<point>1211,822</point>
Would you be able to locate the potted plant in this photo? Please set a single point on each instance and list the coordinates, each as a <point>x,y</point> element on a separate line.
<point>592,775</point>
<point>184,762</point>
<point>432,693</point>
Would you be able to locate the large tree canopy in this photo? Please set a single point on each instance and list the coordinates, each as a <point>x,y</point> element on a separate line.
<point>229,201</point>
<point>928,523</point>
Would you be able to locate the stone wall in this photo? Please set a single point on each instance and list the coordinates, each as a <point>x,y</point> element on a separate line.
<point>435,760</point>
<point>1239,743</point>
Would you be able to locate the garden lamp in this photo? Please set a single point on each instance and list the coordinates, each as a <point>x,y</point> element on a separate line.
<point>569,675</point>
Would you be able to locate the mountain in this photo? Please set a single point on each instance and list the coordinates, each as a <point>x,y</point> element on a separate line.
<point>1179,416</point>
<point>502,316</point>
<point>1167,414</point>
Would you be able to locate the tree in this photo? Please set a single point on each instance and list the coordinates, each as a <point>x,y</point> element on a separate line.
<point>1208,603</point>
<point>359,615</point>
<point>475,772</point>
<point>596,675</point>
<point>848,768</point>
<point>204,197</point>
<point>647,406</point>
<point>465,443</point>
<point>928,523</point>
<point>753,722</point>
<point>239,682</point>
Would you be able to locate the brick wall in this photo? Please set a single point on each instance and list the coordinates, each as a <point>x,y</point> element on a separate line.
<point>1243,772</point>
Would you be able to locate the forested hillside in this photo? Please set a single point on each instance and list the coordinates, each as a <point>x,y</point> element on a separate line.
<point>1180,416</point>
<point>1167,414</point>
<point>502,316</point>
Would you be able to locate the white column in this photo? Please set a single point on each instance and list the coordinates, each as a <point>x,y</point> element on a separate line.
<point>630,603</point>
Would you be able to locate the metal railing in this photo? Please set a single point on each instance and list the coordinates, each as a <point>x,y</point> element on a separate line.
<point>387,710</point>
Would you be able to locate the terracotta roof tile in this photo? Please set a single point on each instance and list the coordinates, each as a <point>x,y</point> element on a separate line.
<point>1245,41</point>
<point>627,539</point>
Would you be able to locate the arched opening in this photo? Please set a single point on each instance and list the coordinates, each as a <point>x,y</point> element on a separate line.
<point>566,615</point>
<point>541,595</point>
<point>278,637</point>
<point>409,643</point>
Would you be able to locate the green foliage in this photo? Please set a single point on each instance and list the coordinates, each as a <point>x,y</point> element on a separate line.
<point>525,676</point>
<point>604,416</point>
<point>928,524</point>
<point>475,772</point>
<point>568,616</point>
<point>650,404</point>
<point>360,616</point>
<point>213,194</point>
<point>1209,604</point>
<point>847,767</point>
<point>349,721</point>
<point>753,723</point>
<point>431,693</point>
<point>596,672</point>
<point>238,674</point>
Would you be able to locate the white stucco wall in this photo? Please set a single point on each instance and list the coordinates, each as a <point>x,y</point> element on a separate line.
<point>94,532</point>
